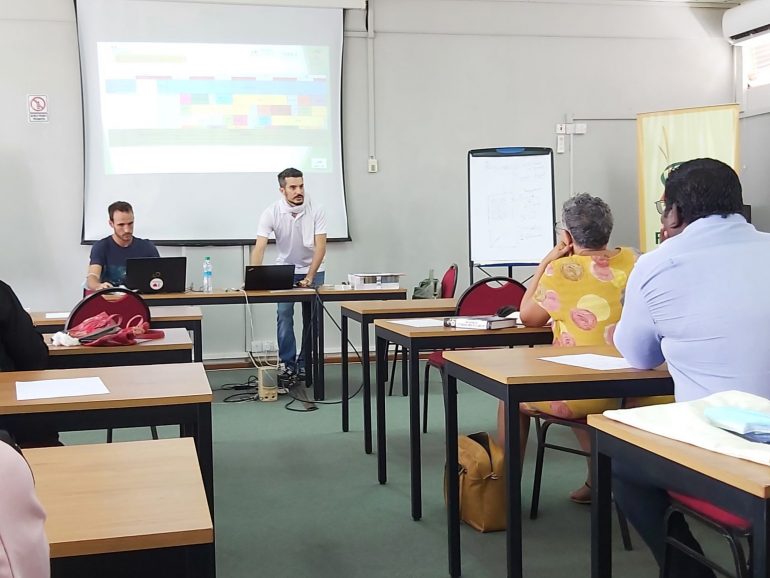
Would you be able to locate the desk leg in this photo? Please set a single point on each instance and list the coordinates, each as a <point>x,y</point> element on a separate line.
<point>367,399</point>
<point>761,542</point>
<point>453,482</point>
<point>513,477</point>
<point>308,329</point>
<point>381,374</point>
<point>202,432</point>
<point>601,510</point>
<point>197,329</point>
<point>414,429</point>
<point>320,357</point>
<point>345,383</point>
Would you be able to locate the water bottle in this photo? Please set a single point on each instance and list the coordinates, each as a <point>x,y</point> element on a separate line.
<point>208,286</point>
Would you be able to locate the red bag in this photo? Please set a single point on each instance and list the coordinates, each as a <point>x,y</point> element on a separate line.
<point>96,326</point>
<point>136,329</point>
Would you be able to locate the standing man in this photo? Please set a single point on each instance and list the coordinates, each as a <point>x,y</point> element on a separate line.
<point>700,303</point>
<point>300,237</point>
<point>108,256</point>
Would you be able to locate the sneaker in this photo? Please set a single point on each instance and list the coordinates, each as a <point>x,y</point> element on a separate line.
<point>286,379</point>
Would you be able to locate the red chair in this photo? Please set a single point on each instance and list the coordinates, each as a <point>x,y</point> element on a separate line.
<point>123,303</point>
<point>731,527</point>
<point>446,291</point>
<point>484,297</point>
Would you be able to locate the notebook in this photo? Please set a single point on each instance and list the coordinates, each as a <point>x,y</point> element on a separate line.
<point>269,277</point>
<point>156,274</point>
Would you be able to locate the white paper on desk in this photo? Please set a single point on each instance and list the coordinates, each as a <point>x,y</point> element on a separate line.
<point>49,388</point>
<point>422,322</point>
<point>590,361</point>
<point>57,315</point>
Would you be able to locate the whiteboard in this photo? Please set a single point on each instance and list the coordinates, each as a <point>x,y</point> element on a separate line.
<point>511,210</point>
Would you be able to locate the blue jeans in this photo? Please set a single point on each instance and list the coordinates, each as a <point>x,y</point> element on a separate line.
<point>287,342</point>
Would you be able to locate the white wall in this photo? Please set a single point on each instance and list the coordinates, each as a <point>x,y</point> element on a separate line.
<point>449,76</point>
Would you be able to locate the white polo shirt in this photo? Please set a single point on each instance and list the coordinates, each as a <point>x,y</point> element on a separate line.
<point>294,233</point>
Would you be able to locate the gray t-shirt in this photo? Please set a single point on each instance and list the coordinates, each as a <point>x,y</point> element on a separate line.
<point>112,257</point>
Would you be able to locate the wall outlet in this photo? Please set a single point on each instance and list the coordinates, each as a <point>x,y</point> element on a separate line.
<point>269,345</point>
<point>581,128</point>
<point>372,166</point>
<point>561,129</point>
<point>256,346</point>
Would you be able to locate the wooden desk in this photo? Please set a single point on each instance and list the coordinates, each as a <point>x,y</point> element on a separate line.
<point>739,486</point>
<point>312,308</point>
<point>187,316</point>
<point>142,395</point>
<point>365,312</point>
<point>514,376</point>
<point>175,347</point>
<point>416,339</point>
<point>123,497</point>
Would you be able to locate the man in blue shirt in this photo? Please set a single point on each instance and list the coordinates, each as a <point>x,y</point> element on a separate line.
<point>700,303</point>
<point>108,256</point>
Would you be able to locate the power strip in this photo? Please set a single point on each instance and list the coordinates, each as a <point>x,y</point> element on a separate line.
<point>268,383</point>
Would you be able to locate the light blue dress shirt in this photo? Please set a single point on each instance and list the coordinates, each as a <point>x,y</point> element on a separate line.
<point>701,302</point>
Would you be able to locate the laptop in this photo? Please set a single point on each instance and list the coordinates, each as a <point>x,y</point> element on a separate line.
<point>156,274</point>
<point>269,277</point>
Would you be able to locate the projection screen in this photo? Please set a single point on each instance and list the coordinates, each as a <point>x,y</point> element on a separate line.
<point>191,110</point>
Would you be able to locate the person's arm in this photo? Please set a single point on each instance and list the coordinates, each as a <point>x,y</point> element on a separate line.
<point>21,341</point>
<point>23,543</point>
<point>318,256</point>
<point>530,311</point>
<point>636,336</point>
<point>93,278</point>
<point>258,252</point>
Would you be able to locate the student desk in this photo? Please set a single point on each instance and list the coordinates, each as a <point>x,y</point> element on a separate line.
<point>513,376</point>
<point>416,339</point>
<point>365,312</point>
<point>186,316</point>
<point>142,395</point>
<point>739,486</point>
<point>175,347</point>
<point>105,499</point>
<point>314,366</point>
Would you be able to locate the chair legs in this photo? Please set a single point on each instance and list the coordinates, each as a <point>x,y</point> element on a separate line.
<point>393,368</point>
<point>732,536</point>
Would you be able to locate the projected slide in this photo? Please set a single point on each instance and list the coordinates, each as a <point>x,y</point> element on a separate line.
<point>214,108</point>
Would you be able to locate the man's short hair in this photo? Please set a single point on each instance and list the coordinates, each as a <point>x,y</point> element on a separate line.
<point>589,220</point>
<point>703,187</point>
<point>121,207</point>
<point>288,174</point>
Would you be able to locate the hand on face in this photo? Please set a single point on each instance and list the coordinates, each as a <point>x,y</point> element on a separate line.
<point>561,249</point>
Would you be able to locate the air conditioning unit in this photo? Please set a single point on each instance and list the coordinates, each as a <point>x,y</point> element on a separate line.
<point>747,21</point>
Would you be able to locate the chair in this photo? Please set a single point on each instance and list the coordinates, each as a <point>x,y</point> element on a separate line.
<point>446,291</point>
<point>484,297</point>
<point>542,423</point>
<point>123,303</point>
<point>731,527</point>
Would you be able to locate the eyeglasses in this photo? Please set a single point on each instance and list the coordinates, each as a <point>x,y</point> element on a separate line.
<point>558,227</point>
<point>660,206</point>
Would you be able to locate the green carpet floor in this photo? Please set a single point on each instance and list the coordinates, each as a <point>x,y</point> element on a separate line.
<point>296,497</point>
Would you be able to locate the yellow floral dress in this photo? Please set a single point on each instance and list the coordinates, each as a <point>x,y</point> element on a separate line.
<point>583,294</point>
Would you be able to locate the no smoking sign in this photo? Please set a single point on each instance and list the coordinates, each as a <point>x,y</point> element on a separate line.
<point>37,107</point>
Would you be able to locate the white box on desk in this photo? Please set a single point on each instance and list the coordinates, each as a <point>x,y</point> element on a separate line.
<point>375,280</point>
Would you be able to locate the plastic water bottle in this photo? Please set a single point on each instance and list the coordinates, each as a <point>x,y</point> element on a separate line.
<point>208,286</point>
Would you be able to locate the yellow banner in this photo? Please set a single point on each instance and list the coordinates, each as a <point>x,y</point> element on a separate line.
<point>668,138</point>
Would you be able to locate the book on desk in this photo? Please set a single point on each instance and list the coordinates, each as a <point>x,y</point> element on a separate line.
<point>480,322</point>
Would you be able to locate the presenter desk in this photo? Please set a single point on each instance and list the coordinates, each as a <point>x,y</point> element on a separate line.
<point>175,347</point>
<point>416,339</point>
<point>187,316</point>
<point>116,504</point>
<point>738,486</point>
<point>142,395</point>
<point>365,312</point>
<point>518,375</point>
<point>314,363</point>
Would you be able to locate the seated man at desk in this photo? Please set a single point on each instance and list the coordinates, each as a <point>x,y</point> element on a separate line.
<point>108,256</point>
<point>698,302</point>
<point>299,227</point>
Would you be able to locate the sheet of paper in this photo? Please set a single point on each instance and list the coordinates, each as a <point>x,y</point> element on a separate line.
<point>590,361</point>
<point>420,322</point>
<point>57,315</point>
<point>47,389</point>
